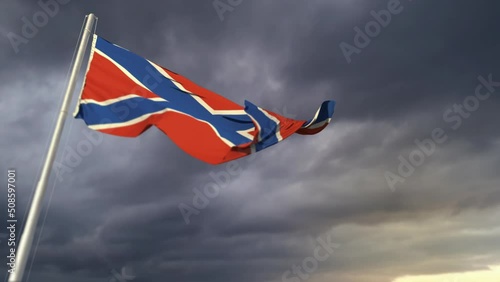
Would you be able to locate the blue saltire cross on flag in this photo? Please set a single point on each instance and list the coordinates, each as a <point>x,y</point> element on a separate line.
<point>125,94</point>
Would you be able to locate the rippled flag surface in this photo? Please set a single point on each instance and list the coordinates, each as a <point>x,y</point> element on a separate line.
<point>125,94</point>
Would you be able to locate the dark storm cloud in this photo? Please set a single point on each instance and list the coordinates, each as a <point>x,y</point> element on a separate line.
<point>391,76</point>
<point>119,206</point>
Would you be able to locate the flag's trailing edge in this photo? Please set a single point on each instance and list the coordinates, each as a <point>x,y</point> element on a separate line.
<point>125,94</point>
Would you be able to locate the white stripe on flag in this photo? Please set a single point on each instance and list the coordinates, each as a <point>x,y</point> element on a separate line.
<point>114,100</point>
<point>145,116</point>
<point>197,98</point>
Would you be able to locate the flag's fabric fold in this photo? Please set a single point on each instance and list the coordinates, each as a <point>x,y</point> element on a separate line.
<point>125,94</point>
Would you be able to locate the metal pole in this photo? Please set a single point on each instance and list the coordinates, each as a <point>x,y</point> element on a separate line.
<point>26,240</point>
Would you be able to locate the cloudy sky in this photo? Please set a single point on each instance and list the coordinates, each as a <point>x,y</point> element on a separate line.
<point>402,187</point>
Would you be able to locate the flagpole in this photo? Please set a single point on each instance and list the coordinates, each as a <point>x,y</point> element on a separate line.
<point>26,240</point>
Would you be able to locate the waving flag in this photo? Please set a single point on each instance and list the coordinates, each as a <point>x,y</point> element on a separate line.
<point>125,94</point>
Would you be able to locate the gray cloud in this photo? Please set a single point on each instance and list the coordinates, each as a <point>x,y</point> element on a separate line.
<point>119,206</point>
